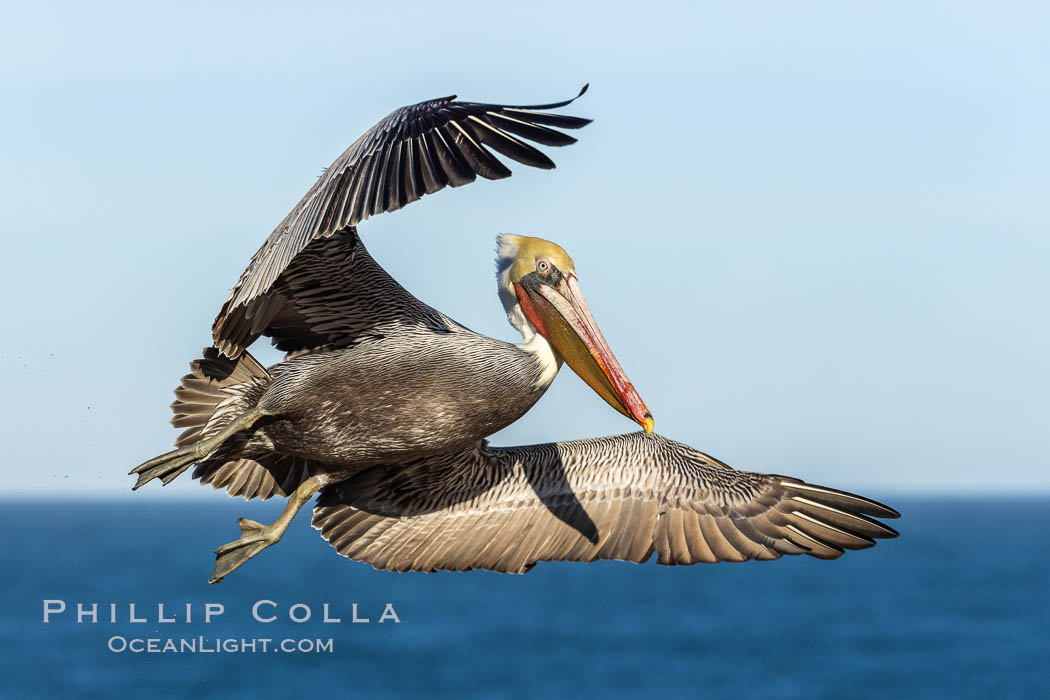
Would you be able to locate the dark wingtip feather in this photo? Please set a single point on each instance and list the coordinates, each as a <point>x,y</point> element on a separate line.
<point>876,509</point>
<point>841,499</point>
<point>887,512</point>
<point>890,532</point>
<point>552,105</point>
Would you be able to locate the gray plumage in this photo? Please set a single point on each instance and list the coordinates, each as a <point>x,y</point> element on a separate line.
<point>398,397</point>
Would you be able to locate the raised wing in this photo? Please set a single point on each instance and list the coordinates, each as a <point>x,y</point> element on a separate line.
<point>414,151</point>
<point>621,497</point>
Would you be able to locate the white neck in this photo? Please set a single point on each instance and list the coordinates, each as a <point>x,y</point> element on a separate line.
<point>549,361</point>
<point>533,342</point>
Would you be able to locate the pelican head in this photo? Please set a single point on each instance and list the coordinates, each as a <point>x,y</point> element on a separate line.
<point>542,297</point>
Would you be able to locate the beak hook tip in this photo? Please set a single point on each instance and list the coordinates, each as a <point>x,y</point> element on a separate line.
<point>648,423</point>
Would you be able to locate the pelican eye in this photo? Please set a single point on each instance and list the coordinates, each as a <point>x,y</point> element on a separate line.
<point>543,266</point>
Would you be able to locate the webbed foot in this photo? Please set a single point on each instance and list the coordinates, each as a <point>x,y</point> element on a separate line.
<point>170,464</point>
<point>165,467</point>
<point>255,537</point>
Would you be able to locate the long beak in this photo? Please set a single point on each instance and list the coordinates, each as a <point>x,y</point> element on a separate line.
<point>559,312</point>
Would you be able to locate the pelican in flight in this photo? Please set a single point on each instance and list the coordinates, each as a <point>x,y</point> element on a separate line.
<point>382,403</point>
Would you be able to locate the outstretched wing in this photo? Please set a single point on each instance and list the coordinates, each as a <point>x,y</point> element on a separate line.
<point>621,497</point>
<point>414,151</point>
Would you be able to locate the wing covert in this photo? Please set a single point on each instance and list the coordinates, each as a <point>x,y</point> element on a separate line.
<point>332,295</point>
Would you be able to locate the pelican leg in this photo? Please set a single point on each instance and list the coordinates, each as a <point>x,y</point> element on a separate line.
<point>255,537</point>
<point>170,464</point>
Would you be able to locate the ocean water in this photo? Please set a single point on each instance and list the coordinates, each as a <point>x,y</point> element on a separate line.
<point>957,607</point>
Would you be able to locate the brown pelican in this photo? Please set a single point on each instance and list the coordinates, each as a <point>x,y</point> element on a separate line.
<point>383,402</point>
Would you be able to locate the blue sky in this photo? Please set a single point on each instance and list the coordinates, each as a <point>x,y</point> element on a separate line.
<point>817,237</point>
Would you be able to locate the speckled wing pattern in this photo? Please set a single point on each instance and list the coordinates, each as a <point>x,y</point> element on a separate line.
<point>622,497</point>
<point>414,151</point>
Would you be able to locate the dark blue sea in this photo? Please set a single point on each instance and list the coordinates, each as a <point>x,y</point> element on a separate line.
<point>957,607</point>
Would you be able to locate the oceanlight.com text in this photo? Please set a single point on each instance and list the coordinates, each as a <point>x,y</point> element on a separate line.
<point>218,645</point>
